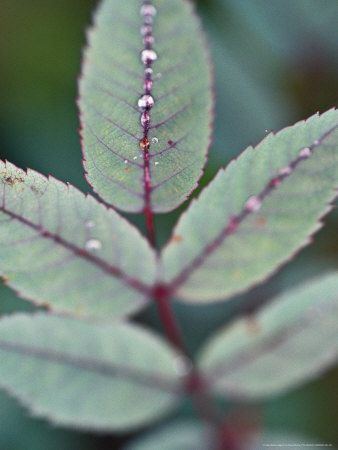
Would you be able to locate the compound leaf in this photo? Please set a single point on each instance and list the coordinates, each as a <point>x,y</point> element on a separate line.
<point>66,251</point>
<point>256,213</point>
<point>123,174</point>
<point>290,341</point>
<point>86,375</point>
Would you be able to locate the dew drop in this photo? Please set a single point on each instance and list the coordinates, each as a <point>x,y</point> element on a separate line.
<point>182,366</point>
<point>148,56</point>
<point>147,85</point>
<point>148,39</point>
<point>305,153</point>
<point>93,244</point>
<point>145,119</point>
<point>148,10</point>
<point>125,161</point>
<point>146,102</point>
<point>316,142</point>
<point>253,204</point>
<point>148,71</point>
<point>286,171</point>
<point>146,29</point>
<point>154,140</point>
<point>135,157</point>
<point>144,143</point>
<point>156,163</point>
<point>89,224</point>
<point>148,20</point>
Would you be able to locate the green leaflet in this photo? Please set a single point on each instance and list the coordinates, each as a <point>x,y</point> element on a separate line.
<point>290,341</point>
<point>180,435</point>
<point>64,250</point>
<point>92,376</point>
<point>110,87</point>
<point>223,245</point>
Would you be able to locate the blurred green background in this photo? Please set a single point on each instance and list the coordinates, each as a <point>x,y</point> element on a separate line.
<point>276,62</point>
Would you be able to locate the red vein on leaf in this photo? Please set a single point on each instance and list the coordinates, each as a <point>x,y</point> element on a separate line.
<point>172,116</point>
<point>172,145</point>
<point>122,186</point>
<point>112,94</point>
<point>109,120</point>
<point>156,186</point>
<point>270,344</point>
<point>83,254</point>
<point>148,39</point>
<point>123,158</point>
<point>175,89</point>
<point>93,365</point>
<point>235,221</point>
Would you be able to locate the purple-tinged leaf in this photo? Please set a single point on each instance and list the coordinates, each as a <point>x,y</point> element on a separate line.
<point>66,251</point>
<point>145,116</point>
<point>92,376</point>
<point>256,213</point>
<point>293,339</point>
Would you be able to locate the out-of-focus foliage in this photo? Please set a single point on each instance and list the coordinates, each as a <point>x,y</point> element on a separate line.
<point>275,63</point>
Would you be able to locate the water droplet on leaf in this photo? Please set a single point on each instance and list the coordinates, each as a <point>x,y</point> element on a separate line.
<point>156,163</point>
<point>145,119</point>
<point>148,40</point>
<point>144,143</point>
<point>146,102</point>
<point>148,71</point>
<point>148,56</point>
<point>154,140</point>
<point>89,224</point>
<point>305,153</point>
<point>286,171</point>
<point>93,244</point>
<point>253,204</point>
<point>146,29</point>
<point>148,10</point>
<point>147,85</point>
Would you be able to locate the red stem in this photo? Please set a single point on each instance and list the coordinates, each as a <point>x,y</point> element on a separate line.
<point>168,320</point>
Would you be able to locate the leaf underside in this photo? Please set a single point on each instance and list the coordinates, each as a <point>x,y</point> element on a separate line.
<point>112,83</point>
<point>209,260</point>
<point>290,341</point>
<point>84,375</point>
<point>66,251</point>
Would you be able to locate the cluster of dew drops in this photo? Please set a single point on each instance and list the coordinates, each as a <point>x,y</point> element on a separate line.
<point>148,56</point>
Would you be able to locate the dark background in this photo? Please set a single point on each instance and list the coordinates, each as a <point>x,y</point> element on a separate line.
<point>276,62</point>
